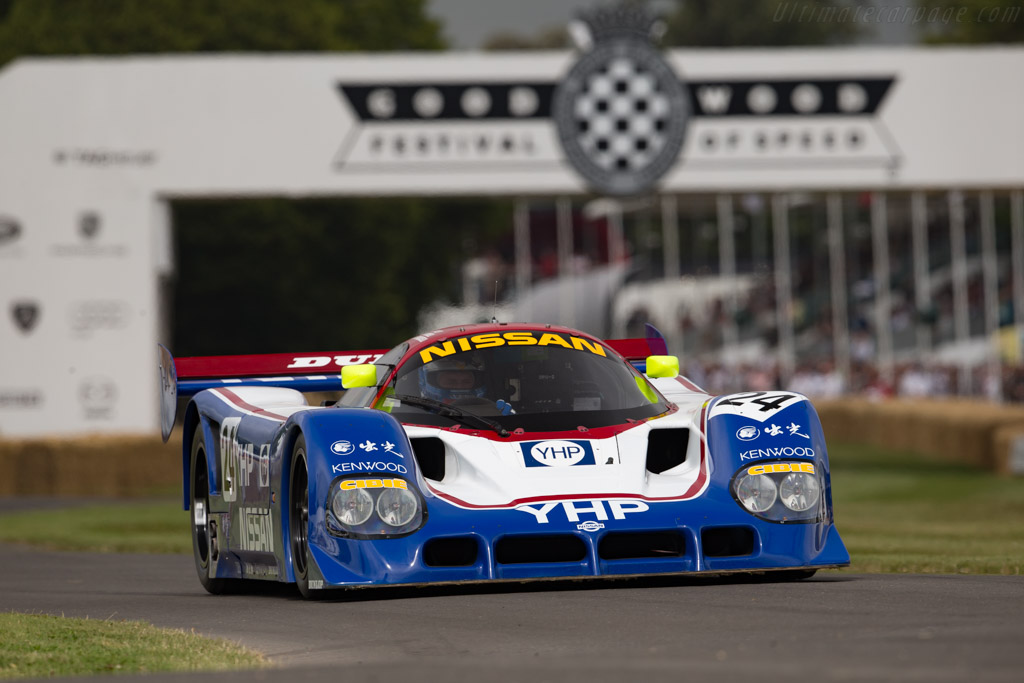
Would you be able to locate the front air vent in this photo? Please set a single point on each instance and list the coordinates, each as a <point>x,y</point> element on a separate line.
<point>639,545</point>
<point>460,551</point>
<point>666,448</point>
<point>727,541</point>
<point>539,549</point>
<point>429,452</point>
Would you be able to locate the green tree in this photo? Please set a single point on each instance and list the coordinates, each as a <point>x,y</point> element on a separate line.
<point>755,23</point>
<point>279,275</point>
<point>113,27</point>
<point>972,21</point>
<point>721,23</point>
<point>551,38</point>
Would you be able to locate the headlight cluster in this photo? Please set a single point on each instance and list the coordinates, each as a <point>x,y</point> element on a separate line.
<point>371,506</point>
<point>779,491</point>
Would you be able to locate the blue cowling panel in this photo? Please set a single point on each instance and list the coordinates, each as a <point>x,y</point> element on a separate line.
<point>792,434</point>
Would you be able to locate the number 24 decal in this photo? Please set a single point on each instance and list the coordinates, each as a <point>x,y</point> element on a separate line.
<point>772,402</point>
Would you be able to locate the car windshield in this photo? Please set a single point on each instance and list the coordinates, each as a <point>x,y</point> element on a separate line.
<point>533,380</point>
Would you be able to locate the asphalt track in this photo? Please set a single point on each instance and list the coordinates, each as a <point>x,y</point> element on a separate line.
<point>834,627</point>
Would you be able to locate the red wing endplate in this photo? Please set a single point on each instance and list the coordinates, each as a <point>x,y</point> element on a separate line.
<point>302,372</point>
<point>638,349</point>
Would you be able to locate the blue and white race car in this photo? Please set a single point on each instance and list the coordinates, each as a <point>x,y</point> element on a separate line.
<point>493,452</point>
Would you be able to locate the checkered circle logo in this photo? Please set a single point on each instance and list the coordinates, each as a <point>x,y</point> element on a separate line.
<point>621,115</point>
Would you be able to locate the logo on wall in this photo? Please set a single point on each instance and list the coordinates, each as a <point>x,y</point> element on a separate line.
<point>86,317</point>
<point>26,315</point>
<point>89,225</point>
<point>97,396</point>
<point>621,112</point>
<point>10,230</point>
<point>20,399</point>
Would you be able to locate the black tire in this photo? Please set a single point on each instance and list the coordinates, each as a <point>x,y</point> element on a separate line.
<point>298,519</point>
<point>205,537</point>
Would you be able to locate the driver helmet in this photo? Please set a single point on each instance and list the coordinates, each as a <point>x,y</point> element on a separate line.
<point>450,380</point>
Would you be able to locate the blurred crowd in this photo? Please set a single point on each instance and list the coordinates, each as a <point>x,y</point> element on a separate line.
<point>731,345</point>
<point>823,380</point>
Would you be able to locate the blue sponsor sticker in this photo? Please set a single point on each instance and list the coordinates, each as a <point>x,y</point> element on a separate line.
<point>557,453</point>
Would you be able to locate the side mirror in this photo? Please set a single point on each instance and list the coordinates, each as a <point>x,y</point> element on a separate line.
<point>354,376</point>
<point>662,366</point>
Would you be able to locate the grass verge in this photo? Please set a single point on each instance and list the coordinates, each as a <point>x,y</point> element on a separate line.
<point>899,512</point>
<point>40,646</point>
<point>154,527</point>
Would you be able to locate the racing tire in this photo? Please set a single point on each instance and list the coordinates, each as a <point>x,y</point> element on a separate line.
<point>298,519</point>
<point>205,537</point>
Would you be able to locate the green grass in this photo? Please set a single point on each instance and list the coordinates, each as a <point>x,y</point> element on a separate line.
<point>898,512</point>
<point>38,646</point>
<point>155,527</point>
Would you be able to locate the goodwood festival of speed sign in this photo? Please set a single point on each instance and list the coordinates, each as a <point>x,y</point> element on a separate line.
<point>619,116</point>
<point>621,112</point>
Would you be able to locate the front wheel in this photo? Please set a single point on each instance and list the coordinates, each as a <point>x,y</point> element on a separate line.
<point>205,534</point>
<point>298,519</point>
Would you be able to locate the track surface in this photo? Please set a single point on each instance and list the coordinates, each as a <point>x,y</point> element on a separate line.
<point>835,627</point>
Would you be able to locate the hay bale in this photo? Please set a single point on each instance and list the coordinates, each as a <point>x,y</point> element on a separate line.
<point>101,465</point>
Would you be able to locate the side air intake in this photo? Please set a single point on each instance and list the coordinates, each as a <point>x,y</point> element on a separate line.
<point>429,453</point>
<point>666,448</point>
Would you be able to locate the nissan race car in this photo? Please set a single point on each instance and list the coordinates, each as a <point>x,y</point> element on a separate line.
<point>492,452</point>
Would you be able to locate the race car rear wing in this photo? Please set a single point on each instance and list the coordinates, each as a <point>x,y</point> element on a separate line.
<point>303,372</point>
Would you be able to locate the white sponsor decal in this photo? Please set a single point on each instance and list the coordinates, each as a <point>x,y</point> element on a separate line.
<point>748,433</point>
<point>306,362</point>
<point>784,452</point>
<point>256,532</point>
<point>557,453</point>
<point>238,460</point>
<point>344,467</point>
<point>756,405</point>
<point>574,508</point>
<point>590,525</point>
<point>793,428</point>
<point>316,584</point>
<point>342,447</point>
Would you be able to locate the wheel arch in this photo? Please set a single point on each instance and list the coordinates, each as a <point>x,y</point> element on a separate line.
<point>194,420</point>
<point>291,436</point>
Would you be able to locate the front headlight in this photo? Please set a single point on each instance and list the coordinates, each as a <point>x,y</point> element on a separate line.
<point>352,507</point>
<point>397,507</point>
<point>757,492</point>
<point>373,506</point>
<point>799,491</point>
<point>780,491</point>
